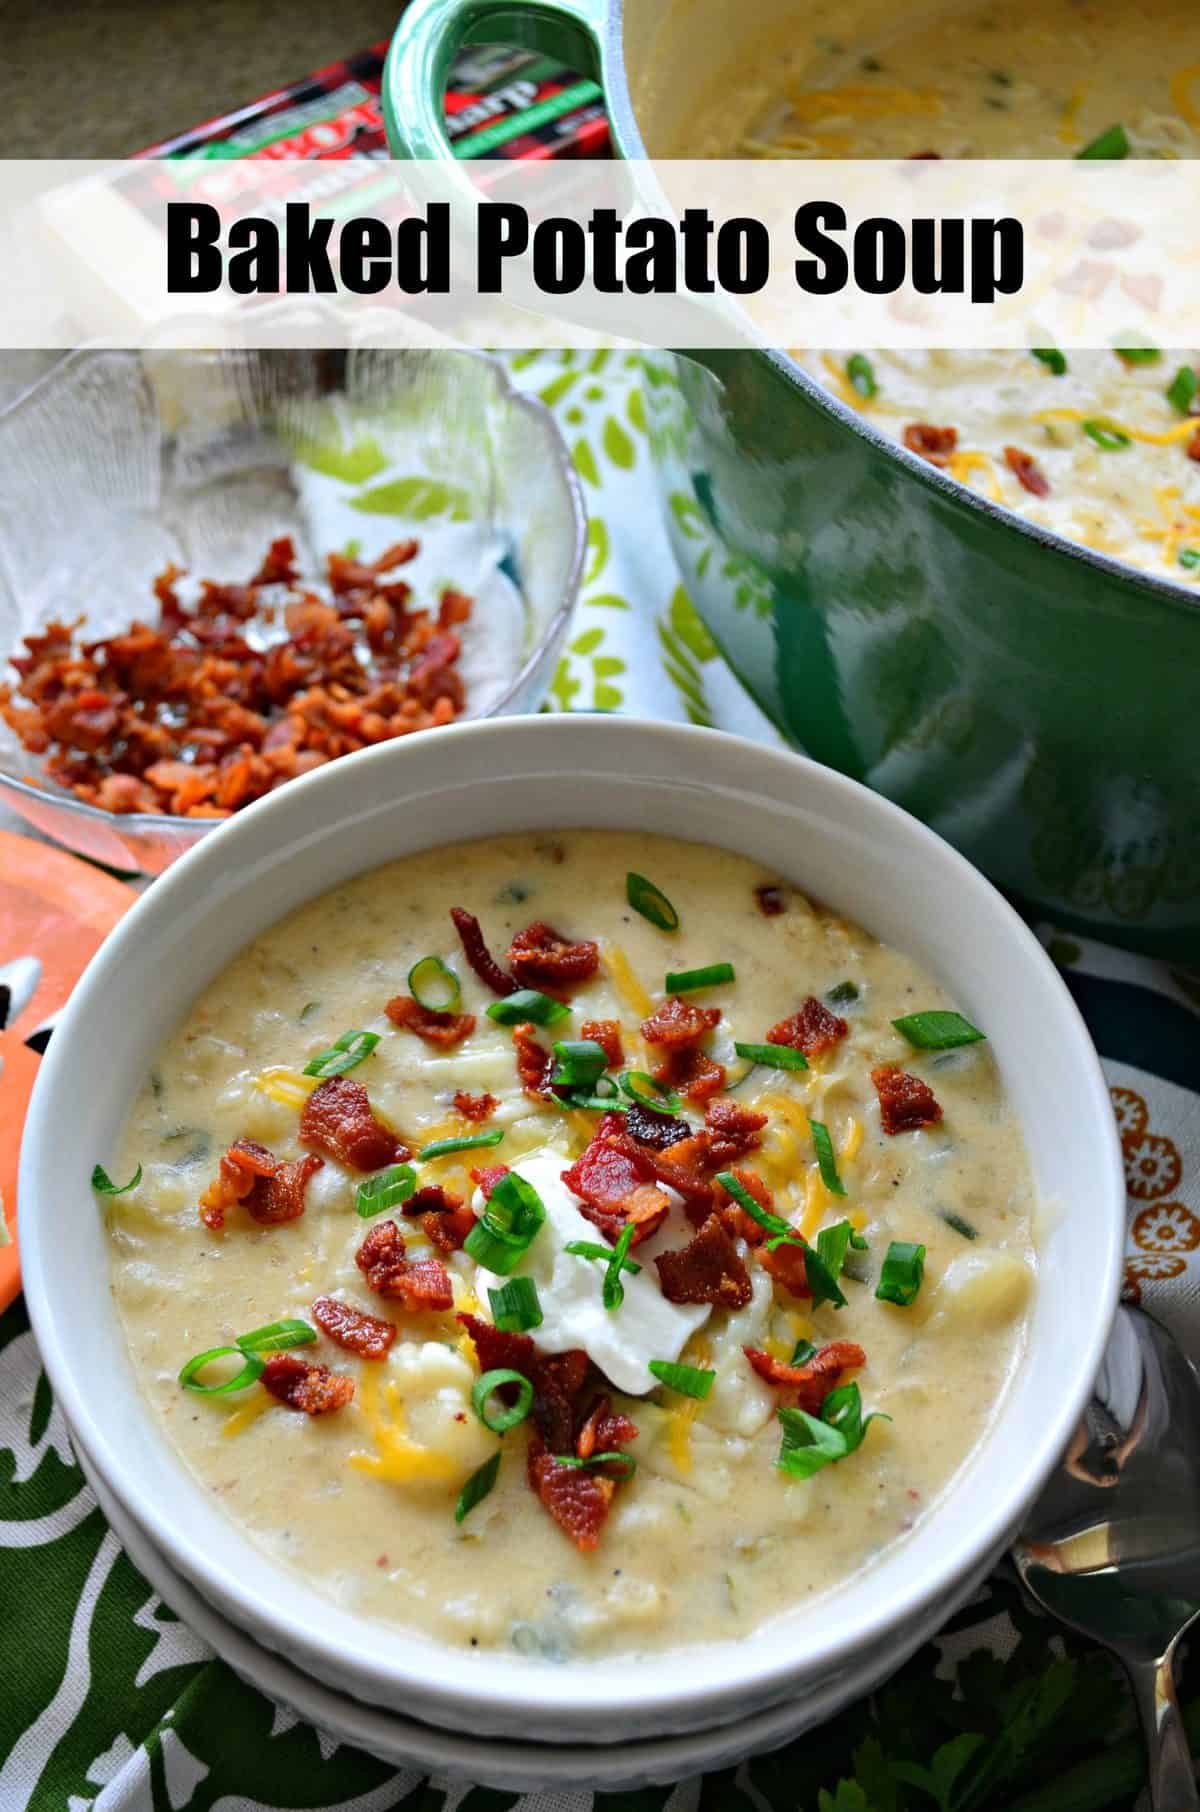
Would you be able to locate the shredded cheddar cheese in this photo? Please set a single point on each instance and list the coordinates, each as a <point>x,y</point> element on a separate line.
<point>396,1459</point>
<point>248,1413</point>
<point>1185,93</point>
<point>852,1140</point>
<point>1068,131</point>
<point>286,1086</point>
<point>620,973</point>
<point>1166,438</point>
<point>968,460</point>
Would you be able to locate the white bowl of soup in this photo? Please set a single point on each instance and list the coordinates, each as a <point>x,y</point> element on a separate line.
<point>718,1107</point>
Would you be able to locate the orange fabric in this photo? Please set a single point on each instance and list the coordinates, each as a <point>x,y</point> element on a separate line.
<point>59,910</point>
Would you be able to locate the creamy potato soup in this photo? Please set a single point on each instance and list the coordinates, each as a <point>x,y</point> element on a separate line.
<point>1103,447</point>
<point>578,1242</point>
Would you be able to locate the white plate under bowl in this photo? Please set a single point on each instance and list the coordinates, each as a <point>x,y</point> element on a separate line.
<point>842,844</point>
<point>509,1766</point>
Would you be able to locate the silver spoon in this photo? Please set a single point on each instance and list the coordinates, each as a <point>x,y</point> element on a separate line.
<point>1112,1546</point>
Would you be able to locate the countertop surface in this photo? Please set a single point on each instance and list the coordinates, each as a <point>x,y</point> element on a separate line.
<point>103,78</point>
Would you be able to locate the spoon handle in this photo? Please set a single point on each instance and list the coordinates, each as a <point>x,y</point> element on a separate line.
<point>1172,1782</point>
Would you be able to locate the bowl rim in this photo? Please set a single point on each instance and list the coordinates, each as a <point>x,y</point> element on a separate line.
<point>691,751</point>
<point>193,830</point>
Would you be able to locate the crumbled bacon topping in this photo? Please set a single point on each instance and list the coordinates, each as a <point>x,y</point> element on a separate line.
<point>808,1385</point>
<point>534,1061</point>
<point>691,1072</point>
<point>934,444</point>
<point>679,1022</point>
<point>423,1284</point>
<point>607,1034</point>
<point>431,1198</point>
<point>313,1389</point>
<point>478,955</point>
<point>735,1130</point>
<point>707,1269</point>
<point>430,1023</point>
<point>1193,446</point>
<point>649,1127</point>
<point>541,957</point>
<point>616,1184</point>
<point>475,1107</point>
<point>743,1224</point>
<point>905,1102</point>
<point>367,1335</point>
<point>338,1120</point>
<point>192,718</point>
<point>448,1230</point>
<point>771,900</point>
<point>812,1029</point>
<point>487,1176</point>
<point>271,1191</point>
<point>787,1265</point>
<point>678,1026</point>
<point>1026,470</point>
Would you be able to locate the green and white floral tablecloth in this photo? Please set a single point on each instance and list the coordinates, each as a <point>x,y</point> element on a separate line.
<point>108,1702</point>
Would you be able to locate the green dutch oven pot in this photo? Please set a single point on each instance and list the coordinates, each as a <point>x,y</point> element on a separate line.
<point>1037,703</point>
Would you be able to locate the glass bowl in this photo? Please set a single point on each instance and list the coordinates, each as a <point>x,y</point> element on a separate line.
<point>119,463</point>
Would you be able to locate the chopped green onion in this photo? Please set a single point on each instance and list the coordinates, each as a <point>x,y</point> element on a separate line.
<point>578,1063</point>
<point>1111,143</point>
<point>861,374</point>
<point>1051,358</point>
<point>1106,437</point>
<point>823,1146</point>
<point>434,985</point>
<point>477,1487</point>
<point>651,902</point>
<point>684,981</point>
<point>803,1352</point>
<point>587,1248</point>
<point>1138,355</point>
<point>772,1056</point>
<point>625,1460</point>
<point>821,1280</point>
<point>345,1053</point>
<point>903,1270</point>
<point>528,1003</point>
<point>512,1218</point>
<point>842,994</point>
<point>103,1184</point>
<point>781,1229</point>
<point>1190,557</point>
<point>811,1442</point>
<point>515,1306</point>
<point>833,1243</point>
<point>386,1189</point>
<point>277,1337</point>
<point>637,1086</point>
<point>958,1223</point>
<point>441,1148</point>
<point>250,1373</point>
<point>595,1104</point>
<point>1181,391</point>
<point>508,1417</point>
<point>613,1290</point>
<point>688,1380</point>
<point>937,1031</point>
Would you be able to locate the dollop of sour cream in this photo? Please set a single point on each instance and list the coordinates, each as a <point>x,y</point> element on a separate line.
<point>620,1341</point>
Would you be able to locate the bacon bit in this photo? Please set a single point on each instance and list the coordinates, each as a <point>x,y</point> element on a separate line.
<point>381,1259</point>
<point>475,1107</point>
<point>692,1073</point>
<point>787,1265</point>
<point>189,718</point>
<point>431,1024</point>
<point>478,955</point>
<point>271,1191</point>
<point>905,1102</point>
<point>934,444</point>
<point>707,1269</point>
<point>454,607</point>
<point>681,1167</point>
<point>616,1186</point>
<point>579,1498</point>
<point>557,1378</point>
<point>679,1022</point>
<point>735,1130</point>
<point>606,1033</point>
<point>743,1224</point>
<point>337,1119</point>
<point>314,1389</point>
<point>1027,472</point>
<point>808,1385</point>
<point>1193,446</point>
<point>812,1030</point>
<point>771,900</point>
<point>602,1431</point>
<point>486,1178</point>
<point>448,1231</point>
<point>649,1127</point>
<point>534,1062</point>
<point>541,957</point>
<point>366,1335</point>
<point>431,1199</point>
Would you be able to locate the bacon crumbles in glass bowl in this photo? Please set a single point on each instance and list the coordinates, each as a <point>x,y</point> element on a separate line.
<point>219,571</point>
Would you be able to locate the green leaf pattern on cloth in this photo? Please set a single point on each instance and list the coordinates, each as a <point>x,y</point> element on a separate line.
<point>107,1702</point>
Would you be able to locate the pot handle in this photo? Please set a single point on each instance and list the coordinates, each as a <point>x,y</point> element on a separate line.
<point>430,34</point>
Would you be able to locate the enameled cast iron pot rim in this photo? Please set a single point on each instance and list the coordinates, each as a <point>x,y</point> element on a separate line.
<point>421,49</point>
<point>282,836</point>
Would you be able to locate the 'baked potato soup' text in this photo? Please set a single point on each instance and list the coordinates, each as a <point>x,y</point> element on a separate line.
<point>577,1241</point>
